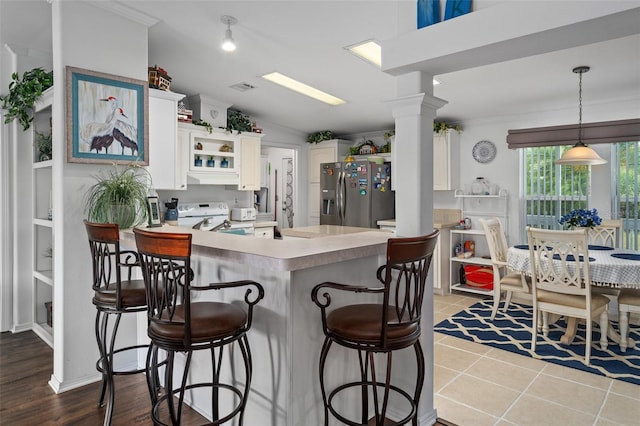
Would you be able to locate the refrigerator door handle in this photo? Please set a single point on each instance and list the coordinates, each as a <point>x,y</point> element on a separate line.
<point>343,189</point>
<point>339,196</point>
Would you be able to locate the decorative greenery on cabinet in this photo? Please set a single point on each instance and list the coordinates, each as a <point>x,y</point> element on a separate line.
<point>23,93</point>
<point>441,127</point>
<point>238,121</point>
<point>323,135</point>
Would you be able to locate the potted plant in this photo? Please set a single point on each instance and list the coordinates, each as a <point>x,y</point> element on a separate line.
<point>119,196</point>
<point>43,145</point>
<point>317,137</point>
<point>23,94</point>
<point>238,121</point>
<point>197,161</point>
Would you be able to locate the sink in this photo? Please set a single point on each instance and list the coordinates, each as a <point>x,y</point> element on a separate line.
<point>239,231</point>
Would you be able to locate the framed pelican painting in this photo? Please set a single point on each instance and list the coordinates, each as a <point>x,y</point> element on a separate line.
<point>107,118</point>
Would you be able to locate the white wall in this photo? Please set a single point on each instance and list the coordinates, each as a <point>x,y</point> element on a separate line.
<point>78,40</point>
<point>504,169</point>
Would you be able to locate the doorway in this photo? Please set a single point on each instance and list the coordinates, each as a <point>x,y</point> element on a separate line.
<point>279,182</point>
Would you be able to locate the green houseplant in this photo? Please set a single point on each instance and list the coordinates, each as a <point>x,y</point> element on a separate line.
<point>119,196</point>
<point>238,121</point>
<point>323,135</point>
<point>23,94</point>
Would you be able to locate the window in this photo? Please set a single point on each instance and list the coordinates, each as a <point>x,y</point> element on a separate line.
<point>626,197</point>
<point>551,191</point>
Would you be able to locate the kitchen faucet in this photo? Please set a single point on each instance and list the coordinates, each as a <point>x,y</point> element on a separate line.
<point>226,225</point>
<point>204,221</point>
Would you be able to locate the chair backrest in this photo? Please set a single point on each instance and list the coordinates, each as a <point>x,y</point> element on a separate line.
<point>559,261</point>
<point>107,260</point>
<point>166,270</point>
<point>496,240</point>
<point>404,276</point>
<point>607,233</point>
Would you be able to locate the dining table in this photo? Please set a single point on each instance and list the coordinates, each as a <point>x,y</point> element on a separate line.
<point>609,268</point>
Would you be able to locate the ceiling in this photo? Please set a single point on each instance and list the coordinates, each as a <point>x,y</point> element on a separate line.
<point>305,40</point>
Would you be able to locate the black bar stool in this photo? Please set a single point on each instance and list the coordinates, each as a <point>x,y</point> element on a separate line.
<point>176,324</point>
<point>372,328</point>
<point>113,296</point>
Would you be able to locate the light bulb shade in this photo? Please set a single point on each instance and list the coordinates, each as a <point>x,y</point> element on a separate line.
<point>580,155</point>
<point>228,45</point>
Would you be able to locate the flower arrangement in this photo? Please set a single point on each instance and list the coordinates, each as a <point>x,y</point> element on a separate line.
<point>582,218</point>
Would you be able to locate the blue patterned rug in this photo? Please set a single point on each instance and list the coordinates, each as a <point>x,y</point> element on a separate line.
<point>511,331</point>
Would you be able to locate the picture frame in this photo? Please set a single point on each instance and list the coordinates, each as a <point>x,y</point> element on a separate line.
<point>107,118</point>
<point>154,212</point>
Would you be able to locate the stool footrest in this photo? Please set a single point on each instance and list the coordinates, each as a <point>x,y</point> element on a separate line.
<point>349,385</point>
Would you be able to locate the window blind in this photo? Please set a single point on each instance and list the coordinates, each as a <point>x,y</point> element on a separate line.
<point>592,133</point>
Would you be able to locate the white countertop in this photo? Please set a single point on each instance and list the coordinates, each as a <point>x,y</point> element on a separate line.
<point>312,245</point>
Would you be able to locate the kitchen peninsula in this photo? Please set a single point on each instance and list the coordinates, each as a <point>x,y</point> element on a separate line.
<point>286,335</point>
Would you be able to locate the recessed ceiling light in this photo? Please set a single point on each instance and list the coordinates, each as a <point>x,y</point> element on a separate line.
<point>296,86</point>
<point>371,52</point>
<point>368,50</point>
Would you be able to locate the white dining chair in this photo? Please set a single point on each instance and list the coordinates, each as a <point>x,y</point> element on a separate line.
<point>628,302</point>
<point>504,280</point>
<point>607,233</point>
<point>561,282</point>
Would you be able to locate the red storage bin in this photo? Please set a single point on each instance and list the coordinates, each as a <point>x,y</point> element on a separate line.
<point>479,276</point>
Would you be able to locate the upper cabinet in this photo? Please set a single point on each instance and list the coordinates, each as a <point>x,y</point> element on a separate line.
<point>220,157</point>
<point>167,155</point>
<point>446,154</point>
<point>250,162</point>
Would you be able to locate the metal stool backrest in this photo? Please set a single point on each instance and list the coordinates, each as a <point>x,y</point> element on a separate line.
<point>404,277</point>
<point>107,260</point>
<point>165,257</point>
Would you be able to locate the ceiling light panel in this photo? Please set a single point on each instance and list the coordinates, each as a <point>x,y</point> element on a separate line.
<point>304,89</point>
<point>371,52</point>
<point>368,50</point>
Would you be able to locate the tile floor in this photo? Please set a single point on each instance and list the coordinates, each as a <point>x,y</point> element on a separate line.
<point>479,385</point>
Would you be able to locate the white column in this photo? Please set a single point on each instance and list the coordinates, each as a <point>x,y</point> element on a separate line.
<point>414,111</point>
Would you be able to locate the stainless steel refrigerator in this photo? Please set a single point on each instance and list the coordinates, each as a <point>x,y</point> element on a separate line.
<point>356,193</point>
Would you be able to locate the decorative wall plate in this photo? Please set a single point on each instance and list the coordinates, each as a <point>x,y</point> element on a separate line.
<point>484,151</point>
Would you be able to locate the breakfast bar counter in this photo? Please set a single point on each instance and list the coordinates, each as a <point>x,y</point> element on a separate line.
<point>286,334</point>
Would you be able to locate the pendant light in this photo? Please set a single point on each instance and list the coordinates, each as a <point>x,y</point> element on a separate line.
<point>580,154</point>
<point>228,44</point>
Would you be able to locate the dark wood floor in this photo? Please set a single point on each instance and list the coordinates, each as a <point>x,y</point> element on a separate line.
<point>26,399</point>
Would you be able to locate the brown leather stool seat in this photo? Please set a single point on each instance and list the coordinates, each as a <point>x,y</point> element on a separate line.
<point>176,324</point>
<point>363,323</point>
<point>371,328</point>
<point>114,295</point>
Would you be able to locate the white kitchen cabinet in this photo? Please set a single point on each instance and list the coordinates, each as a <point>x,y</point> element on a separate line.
<point>167,152</point>
<point>263,232</point>
<point>446,161</point>
<point>322,152</point>
<point>221,157</point>
<point>250,175</point>
<point>42,282</point>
